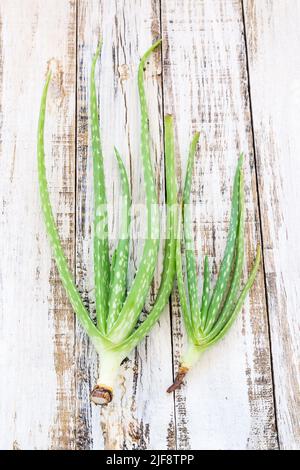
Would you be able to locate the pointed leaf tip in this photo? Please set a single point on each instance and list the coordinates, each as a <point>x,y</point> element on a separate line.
<point>97,52</point>
<point>169,117</point>
<point>157,43</point>
<point>99,45</point>
<point>241,159</point>
<point>258,254</point>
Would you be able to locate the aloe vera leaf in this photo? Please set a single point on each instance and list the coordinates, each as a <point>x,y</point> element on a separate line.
<point>112,268</point>
<point>191,267</point>
<point>169,267</point>
<point>226,266</point>
<point>186,313</point>
<point>51,228</point>
<point>205,293</point>
<point>121,254</point>
<point>241,299</point>
<point>238,268</point>
<point>136,297</point>
<point>101,246</point>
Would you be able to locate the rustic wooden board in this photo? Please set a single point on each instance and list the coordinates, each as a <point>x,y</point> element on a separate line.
<point>37,405</point>
<point>142,415</point>
<point>228,68</point>
<point>228,400</point>
<point>273,40</point>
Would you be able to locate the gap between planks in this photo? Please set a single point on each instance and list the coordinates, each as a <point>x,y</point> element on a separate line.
<point>260,217</point>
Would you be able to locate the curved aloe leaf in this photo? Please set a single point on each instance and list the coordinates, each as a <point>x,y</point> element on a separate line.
<point>238,267</point>
<point>226,301</point>
<point>59,256</point>
<point>241,299</point>
<point>186,313</point>
<point>191,267</point>
<point>121,254</point>
<point>136,297</point>
<point>205,294</point>
<point>169,267</point>
<point>226,266</point>
<point>101,248</point>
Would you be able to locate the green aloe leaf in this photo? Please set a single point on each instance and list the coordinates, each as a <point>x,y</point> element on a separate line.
<point>101,247</point>
<point>169,267</point>
<point>59,256</point>
<point>136,297</point>
<point>121,254</point>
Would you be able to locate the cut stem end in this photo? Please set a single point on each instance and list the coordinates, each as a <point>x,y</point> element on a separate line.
<point>179,379</point>
<point>101,395</point>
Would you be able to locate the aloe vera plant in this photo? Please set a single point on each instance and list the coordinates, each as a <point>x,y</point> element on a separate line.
<point>116,332</point>
<point>206,322</point>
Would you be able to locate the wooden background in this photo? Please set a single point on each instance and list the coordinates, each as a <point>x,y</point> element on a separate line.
<point>229,68</point>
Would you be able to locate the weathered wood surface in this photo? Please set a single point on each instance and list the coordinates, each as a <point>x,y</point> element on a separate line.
<point>37,324</point>
<point>273,38</point>
<point>205,84</point>
<point>142,415</point>
<point>227,68</point>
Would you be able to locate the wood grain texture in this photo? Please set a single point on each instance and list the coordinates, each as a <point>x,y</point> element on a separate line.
<point>273,40</point>
<point>228,401</point>
<point>228,68</point>
<point>37,324</point>
<point>141,415</point>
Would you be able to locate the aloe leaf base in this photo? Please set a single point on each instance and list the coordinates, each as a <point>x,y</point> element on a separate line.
<point>103,392</point>
<point>187,361</point>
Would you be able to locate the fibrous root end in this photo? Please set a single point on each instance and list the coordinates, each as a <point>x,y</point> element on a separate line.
<point>179,379</point>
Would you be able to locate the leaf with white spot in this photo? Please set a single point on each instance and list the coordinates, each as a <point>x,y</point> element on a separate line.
<point>169,267</point>
<point>226,266</point>
<point>190,257</point>
<point>205,294</point>
<point>121,254</point>
<point>59,256</point>
<point>233,292</point>
<point>225,304</point>
<point>136,297</point>
<point>101,247</point>
<point>241,299</point>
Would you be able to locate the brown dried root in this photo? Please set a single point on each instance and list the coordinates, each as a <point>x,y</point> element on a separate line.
<point>179,379</point>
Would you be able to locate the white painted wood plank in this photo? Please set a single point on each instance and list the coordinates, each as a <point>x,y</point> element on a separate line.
<point>227,402</point>
<point>36,322</point>
<point>273,39</point>
<point>141,415</point>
